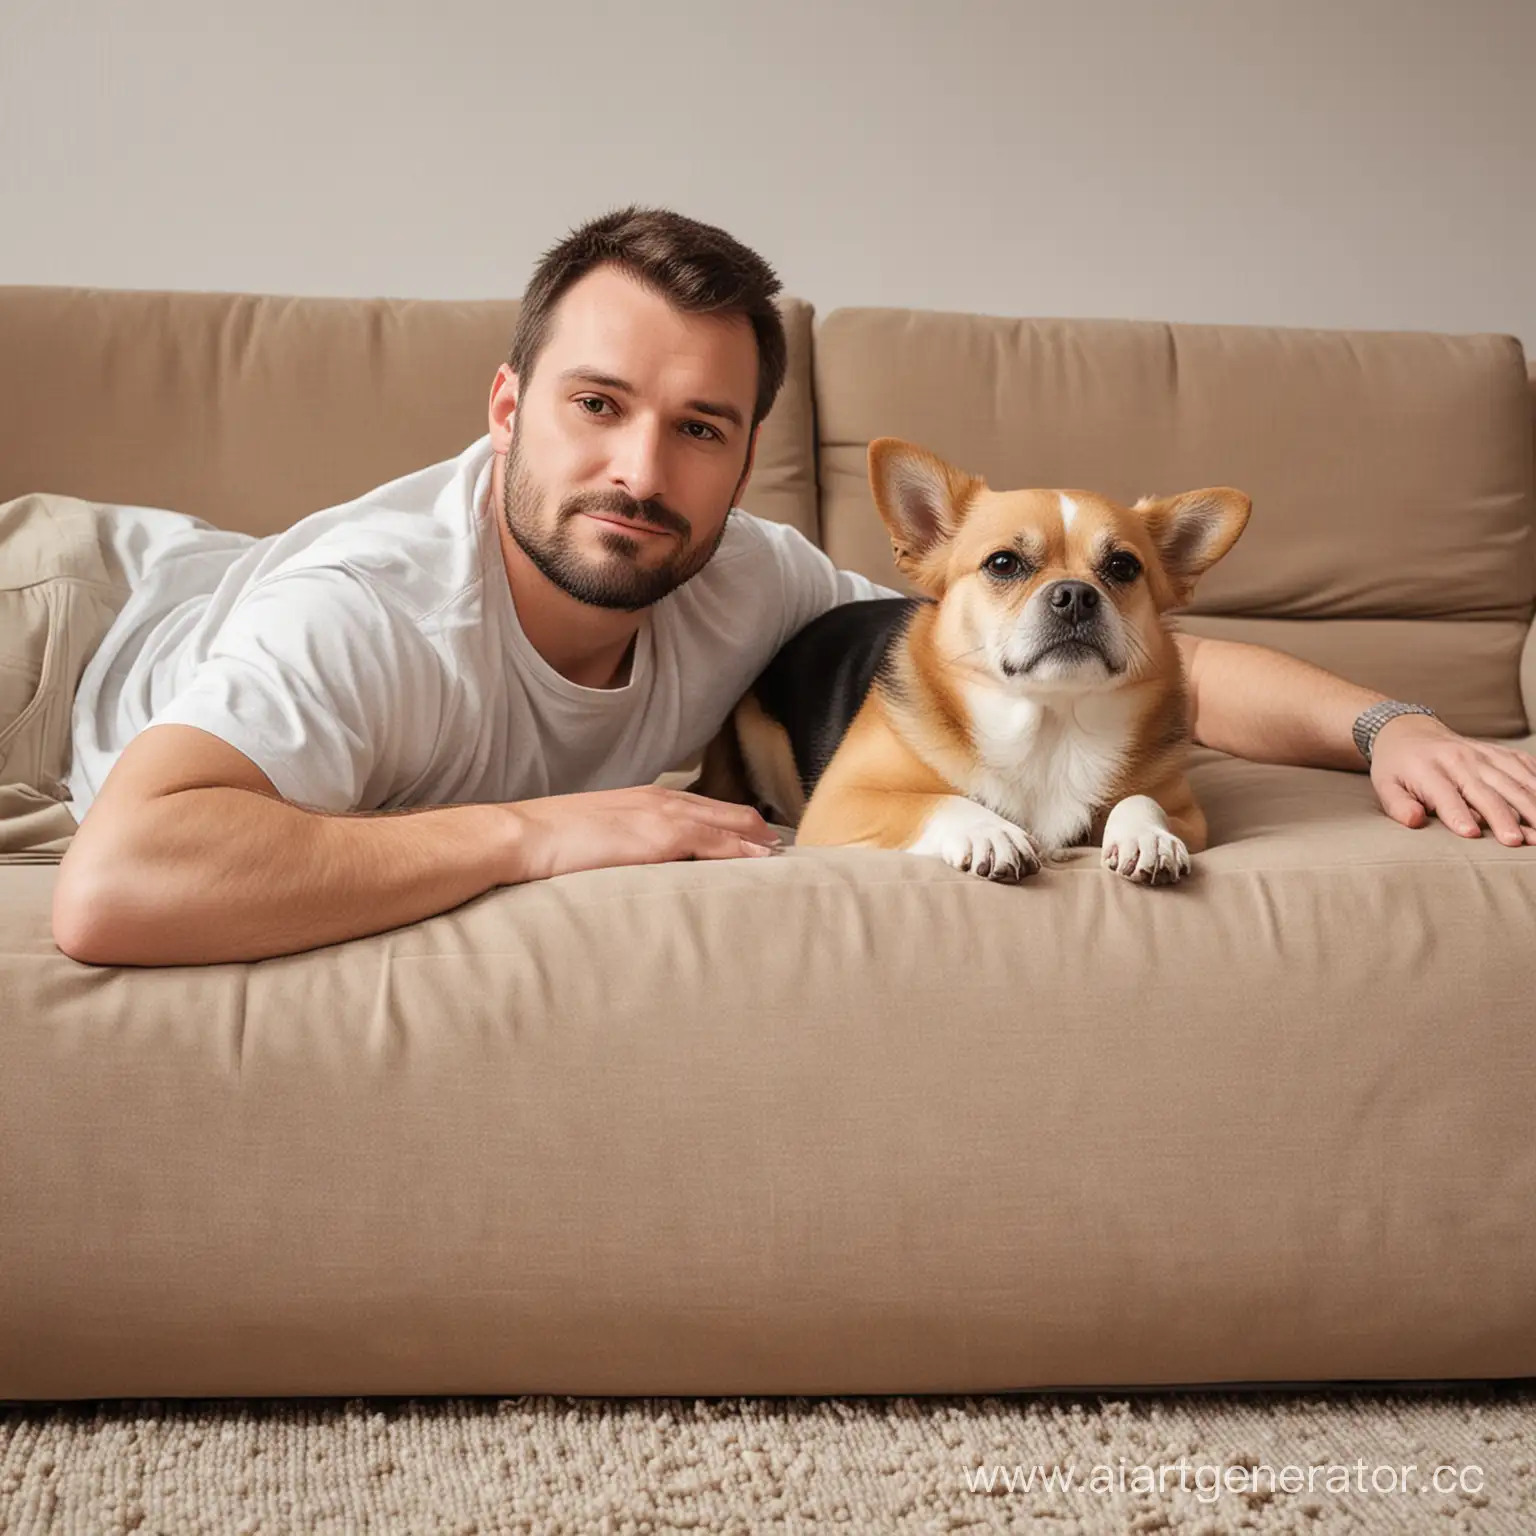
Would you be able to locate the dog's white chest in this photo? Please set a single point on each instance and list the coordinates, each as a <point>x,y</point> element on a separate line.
<point>1046,769</point>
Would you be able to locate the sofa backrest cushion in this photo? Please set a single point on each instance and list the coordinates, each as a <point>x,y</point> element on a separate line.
<point>252,411</point>
<point>1392,534</point>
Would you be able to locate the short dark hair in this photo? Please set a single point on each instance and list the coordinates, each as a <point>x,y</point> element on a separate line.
<point>696,267</point>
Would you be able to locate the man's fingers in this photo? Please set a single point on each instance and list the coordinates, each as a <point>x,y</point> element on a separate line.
<point>725,815</point>
<point>1478,784</point>
<point>1511,760</point>
<point>1444,799</point>
<point>744,821</point>
<point>1401,806</point>
<point>1496,812</point>
<point>1519,767</point>
<point>718,844</point>
<point>1519,804</point>
<point>1497,796</point>
<point>1508,763</point>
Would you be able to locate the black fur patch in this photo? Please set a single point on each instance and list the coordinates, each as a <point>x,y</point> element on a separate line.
<point>820,678</point>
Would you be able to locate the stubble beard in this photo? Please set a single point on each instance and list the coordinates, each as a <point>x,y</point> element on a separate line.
<point>616,582</point>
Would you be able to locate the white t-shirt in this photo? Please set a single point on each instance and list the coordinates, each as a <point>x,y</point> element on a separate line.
<point>370,657</point>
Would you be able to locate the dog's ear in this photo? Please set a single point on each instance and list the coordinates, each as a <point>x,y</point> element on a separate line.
<point>1192,532</point>
<point>922,501</point>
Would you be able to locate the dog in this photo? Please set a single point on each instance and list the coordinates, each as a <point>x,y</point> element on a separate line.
<point>1031,699</point>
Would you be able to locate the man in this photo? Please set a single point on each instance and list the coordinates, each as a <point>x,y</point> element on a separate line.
<point>470,677</point>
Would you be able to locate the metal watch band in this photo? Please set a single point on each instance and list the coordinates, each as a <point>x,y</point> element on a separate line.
<point>1371,721</point>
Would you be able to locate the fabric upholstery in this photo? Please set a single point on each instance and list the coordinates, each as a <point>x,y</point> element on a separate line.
<point>923,1134</point>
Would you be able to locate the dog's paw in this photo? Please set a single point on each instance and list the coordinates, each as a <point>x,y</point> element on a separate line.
<point>1147,855</point>
<point>969,837</point>
<point>1139,845</point>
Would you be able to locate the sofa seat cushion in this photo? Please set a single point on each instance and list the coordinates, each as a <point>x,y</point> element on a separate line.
<point>841,1121</point>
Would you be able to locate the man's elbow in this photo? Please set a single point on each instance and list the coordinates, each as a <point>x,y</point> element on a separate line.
<point>80,917</point>
<point>88,921</point>
<point>78,926</point>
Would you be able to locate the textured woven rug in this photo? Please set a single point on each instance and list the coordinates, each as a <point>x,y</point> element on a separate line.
<point>1454,1459</point>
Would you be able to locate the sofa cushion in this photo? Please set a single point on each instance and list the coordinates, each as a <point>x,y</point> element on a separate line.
<point>840,1121</point>
<point>251,411</point>
<point>1391,472</point>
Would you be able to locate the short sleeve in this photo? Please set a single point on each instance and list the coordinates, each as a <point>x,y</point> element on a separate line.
<point>329,688</point>
<point>812,583</point>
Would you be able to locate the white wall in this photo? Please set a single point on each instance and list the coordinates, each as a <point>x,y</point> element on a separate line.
<point>1365,163</point>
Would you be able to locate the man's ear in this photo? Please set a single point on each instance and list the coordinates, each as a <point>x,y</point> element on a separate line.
<point>1192,532</point>
<point>504,397</point>
<point>922,501</point>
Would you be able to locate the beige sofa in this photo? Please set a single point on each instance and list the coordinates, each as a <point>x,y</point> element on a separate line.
<point>842,1121</point>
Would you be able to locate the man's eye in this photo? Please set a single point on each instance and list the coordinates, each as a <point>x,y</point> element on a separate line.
<point>1122,567</point>
<point>585,400</point>
<point>709,432</point>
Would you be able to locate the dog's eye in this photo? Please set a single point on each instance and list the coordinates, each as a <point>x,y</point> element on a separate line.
<point>1122,567</point>
<point>1003,563</point>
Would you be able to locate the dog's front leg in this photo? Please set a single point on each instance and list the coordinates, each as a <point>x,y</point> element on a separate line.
<point>967,836</point>
<point>1149,844</point>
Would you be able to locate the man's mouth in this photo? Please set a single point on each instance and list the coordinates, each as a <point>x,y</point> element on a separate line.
<point>618,522</point>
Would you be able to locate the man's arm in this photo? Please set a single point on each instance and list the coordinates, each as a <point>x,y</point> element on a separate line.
<point>189,856</point>
<point>1259,703</point>
<point>1262,704</point>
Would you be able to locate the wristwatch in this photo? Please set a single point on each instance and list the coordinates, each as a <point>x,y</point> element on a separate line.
<point>1372,720</point>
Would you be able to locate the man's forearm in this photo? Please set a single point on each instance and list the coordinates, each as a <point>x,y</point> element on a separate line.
<point>204,876</point>
<point>1259,703</point>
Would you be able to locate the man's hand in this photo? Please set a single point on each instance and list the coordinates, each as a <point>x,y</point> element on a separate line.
<point>559,834</point>
<point>1419,765</point>
<point>1264,705</point>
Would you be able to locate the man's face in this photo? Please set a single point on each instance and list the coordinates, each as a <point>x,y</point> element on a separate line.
<point>627,420</point>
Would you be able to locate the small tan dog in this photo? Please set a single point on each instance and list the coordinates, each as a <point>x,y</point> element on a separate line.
<point>1032,700</point>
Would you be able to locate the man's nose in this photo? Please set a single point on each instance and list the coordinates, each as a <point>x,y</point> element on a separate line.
<point>637,463</point>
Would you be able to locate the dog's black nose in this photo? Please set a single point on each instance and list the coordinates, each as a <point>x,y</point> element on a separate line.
<point>1075,601</point>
